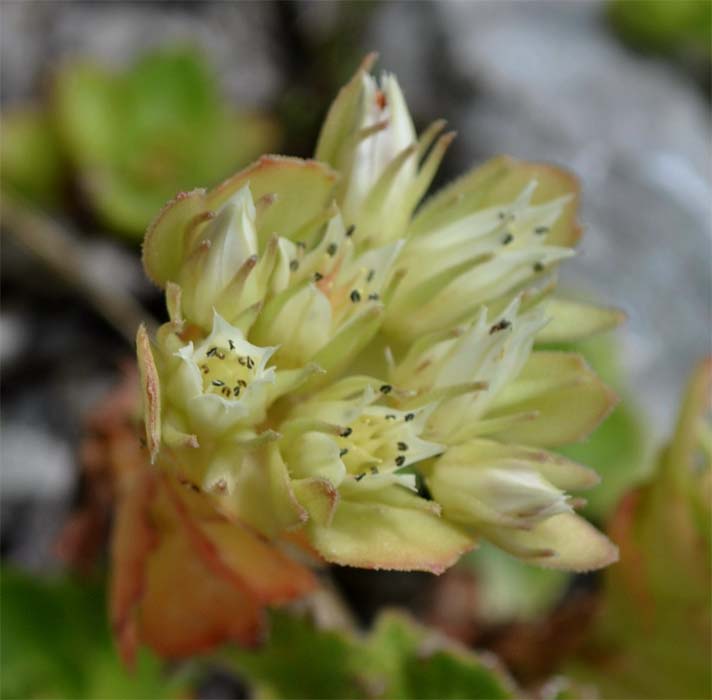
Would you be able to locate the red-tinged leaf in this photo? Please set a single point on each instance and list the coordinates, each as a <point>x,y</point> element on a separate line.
<point>237,553</point>
<point>133,540</point>
<point>151,391</point>
<point>187,609</point>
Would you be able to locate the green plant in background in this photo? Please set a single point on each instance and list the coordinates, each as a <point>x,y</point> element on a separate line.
<point>508,590</point>
<point>56,643</point>
<point>398,659</point>
<point>130,140</point>
<point>654,635</point>
<point>665,26</point>
<point>30,157</point>
<point>138,137</point>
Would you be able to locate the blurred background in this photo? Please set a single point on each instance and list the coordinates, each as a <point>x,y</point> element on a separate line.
<point>109,109</point>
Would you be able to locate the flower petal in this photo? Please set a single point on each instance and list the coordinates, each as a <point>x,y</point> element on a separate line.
<point>297,190</point>
<point>567,395</point>
<point>163,248</point>
<point>572,320</point>
<point>499,181</point>
<point>392,531</point>
<point>564,541</point>
<point>301,190</point>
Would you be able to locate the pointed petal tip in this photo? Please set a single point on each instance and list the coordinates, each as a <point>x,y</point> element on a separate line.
<point>368,62</point>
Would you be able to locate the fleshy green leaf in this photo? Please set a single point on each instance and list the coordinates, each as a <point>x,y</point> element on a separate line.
<point>398,659</point>
<point>414,662</point>
<point>56,643</point>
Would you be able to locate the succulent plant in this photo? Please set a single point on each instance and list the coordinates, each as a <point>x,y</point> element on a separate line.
<point>653,637</point>
<point>138,136</point>
<point>350,370</point>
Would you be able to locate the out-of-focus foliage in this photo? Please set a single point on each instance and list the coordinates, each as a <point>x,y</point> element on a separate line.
<point>30,157</point>
<point>56,644</point>
<point>399,659</point>
<point>653,638</point>
<point>509,589</point>
<point>140,136</point>
<point>129,140</point>
<point>667,26</point>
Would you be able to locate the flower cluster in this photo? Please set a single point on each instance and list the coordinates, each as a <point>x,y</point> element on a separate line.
<point>350,368</point>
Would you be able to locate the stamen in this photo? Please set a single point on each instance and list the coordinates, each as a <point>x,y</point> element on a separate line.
<point>400,460</point>
<point>402,446</point>
<point>331,250</point>
<point>500,326</point>
<point>507,238</point>
<point>385,388</point>
<point>355,296</point>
